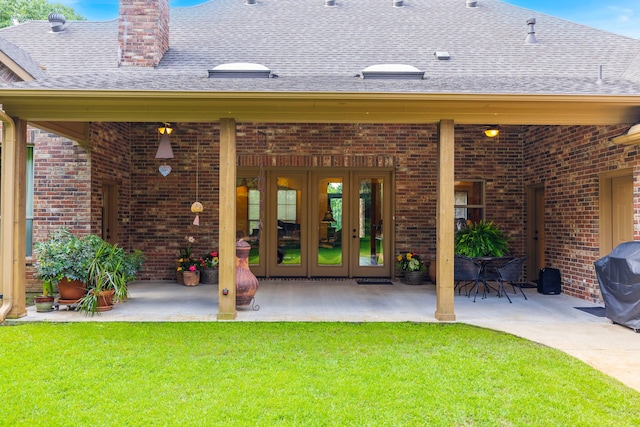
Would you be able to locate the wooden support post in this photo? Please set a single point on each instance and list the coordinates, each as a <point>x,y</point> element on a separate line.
<point>445,223</point>
<point>13,223</point>
<point>20,222</point>
<point>227,222</point>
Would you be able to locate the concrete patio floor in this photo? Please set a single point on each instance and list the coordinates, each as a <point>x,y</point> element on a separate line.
<point>551,320</point>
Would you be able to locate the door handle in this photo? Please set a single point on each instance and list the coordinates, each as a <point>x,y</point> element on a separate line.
<point>354,234</point>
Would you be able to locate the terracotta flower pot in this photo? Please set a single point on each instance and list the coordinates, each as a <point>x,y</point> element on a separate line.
<point>191,278</point>
<point>71,290</point>
<point>105,300</point>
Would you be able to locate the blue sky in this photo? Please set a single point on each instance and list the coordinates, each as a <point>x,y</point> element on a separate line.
<point>617,16</point>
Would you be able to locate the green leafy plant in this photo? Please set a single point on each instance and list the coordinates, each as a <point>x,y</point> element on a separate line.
<point>191,264</point>
<point>185,252</point>
<point>47,288</point>
<point>410,261</point>
<point>211,260</point>
<point>110,269</point>
<point>62,255</point>
<point>483,238</point>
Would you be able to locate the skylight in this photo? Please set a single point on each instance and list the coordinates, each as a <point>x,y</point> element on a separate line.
<point>240,70</point>
<point>392,71</point>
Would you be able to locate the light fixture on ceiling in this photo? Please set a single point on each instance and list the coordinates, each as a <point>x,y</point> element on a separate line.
<point>492,131</point>
<point>164,148</point>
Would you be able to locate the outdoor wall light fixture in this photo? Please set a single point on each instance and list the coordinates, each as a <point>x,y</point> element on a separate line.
<point>492,131</point>
<point>630,137</point>
<point>164,148</point>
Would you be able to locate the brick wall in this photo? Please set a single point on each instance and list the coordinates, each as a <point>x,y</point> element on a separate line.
<point>160,211</point>
<point>143,32</point>
<point>155,216</point>
<point>568,160</point>
<point>161,214</point>
<point>62,189</point>
<point>111,164</point>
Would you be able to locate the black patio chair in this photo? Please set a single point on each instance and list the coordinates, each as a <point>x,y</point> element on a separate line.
<point>466,272</point>
<point>510,273</point>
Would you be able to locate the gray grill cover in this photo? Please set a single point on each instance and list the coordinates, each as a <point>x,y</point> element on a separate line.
<point>619,277</point>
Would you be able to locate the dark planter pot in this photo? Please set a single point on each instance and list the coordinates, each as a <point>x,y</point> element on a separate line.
<point>209,276</point>
<point>414,277</point>
<point>71,290</point>
<point>44,304</point>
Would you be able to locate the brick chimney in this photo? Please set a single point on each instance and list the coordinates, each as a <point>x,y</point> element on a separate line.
<point>143,32</point>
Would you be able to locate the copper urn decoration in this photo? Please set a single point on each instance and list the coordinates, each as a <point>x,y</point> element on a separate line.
<point>246,282</point>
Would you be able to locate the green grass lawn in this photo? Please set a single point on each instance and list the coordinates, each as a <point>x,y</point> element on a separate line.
<point>297,374</point>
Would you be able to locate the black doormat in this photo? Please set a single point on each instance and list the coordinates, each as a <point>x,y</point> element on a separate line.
<point>374,282</point>
<point>596,311</point>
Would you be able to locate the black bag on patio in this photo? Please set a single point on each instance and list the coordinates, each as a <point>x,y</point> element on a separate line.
<point>549,281</point>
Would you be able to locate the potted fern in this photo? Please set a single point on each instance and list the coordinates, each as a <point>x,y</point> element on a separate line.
<point>481,239</point>
<point>109,271</point>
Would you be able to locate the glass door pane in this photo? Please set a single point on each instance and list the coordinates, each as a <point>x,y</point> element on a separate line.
<point>287,253</point>
<point>373,215</point>
<point>370,224</point>
<point>330,214</point>
<point>249,217</point>
<point>329,217</point>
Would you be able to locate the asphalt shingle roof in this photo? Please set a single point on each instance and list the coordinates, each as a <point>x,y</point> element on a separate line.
<point>312,47</point>
<point>22,58</point>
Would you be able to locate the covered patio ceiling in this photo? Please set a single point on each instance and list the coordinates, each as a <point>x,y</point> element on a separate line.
<point>57,110</point>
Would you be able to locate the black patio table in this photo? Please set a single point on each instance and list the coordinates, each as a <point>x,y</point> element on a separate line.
<point>486,263</point>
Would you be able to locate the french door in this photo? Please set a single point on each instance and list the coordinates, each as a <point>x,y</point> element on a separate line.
<point>316,223</point>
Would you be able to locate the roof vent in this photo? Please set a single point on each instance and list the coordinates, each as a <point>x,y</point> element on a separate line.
<point>600,81</point>
<point>250,2</point>
<point>57,22</point>
<point>392,72</point>
<point>442,54</point>
<point>531,37</point>
<point>472,3</point>
<point>330,3</point>
<point>240,70</point>
<point>398,3</point>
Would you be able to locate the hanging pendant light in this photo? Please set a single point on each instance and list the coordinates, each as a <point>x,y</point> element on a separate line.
<point>164,148</point>
<point>196,207</point>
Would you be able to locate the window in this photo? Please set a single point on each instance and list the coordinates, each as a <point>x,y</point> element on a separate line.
<point>29,213</point>
<point>254,211</point>
<point>469,200</point>
<point>287,205</point>
<point>29,228</point>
